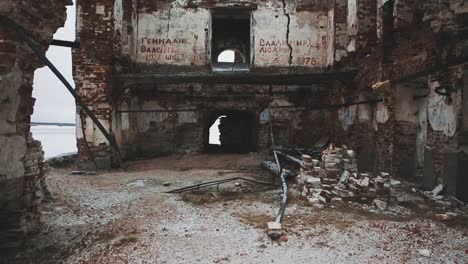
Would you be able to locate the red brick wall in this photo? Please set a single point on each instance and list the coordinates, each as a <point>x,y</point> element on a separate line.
<point>420,28</point>
<point>93,65</point>
<point>19,200</point>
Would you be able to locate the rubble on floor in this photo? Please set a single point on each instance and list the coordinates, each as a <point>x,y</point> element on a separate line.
<point>63,160</point>
<point>335,179</point>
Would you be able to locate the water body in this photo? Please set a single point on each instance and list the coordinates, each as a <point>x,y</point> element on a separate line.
<point>58,140</point>
<point>55,140</point>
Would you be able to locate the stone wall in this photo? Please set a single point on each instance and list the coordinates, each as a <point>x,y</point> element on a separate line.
<point>160,37</point>
<point>171,120</point>
<point>21,157</point>
<point>402,41</point>
<point>420,47</point>
<point>93,65</point>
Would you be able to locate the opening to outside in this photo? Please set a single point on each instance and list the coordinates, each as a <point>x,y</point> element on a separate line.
<point>231,132</point>
<point>231,56</point>
<point>387,30</point>
<point>53,120</point>
<point>227,56</point>
<point>230,40</point>
<point>214,132</point>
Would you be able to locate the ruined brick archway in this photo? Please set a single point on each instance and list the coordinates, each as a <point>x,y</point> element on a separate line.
<point>238,132</point>
<point>21,157</point>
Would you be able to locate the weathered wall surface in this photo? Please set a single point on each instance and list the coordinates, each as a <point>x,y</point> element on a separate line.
<point>93,64</point>
<point>170,121</point>
<point>119,36</point>
<point>21,157</point>
<point>402,41</point>
<point>290,38</point>
<point>293,33</point>
<point>414,38</point>
<point>173,35</point>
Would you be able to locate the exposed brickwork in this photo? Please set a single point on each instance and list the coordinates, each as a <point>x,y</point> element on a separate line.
<point>424,35</point>
<point>93,64</point>
<point>21,157</point>
<point>404,150</point>
<point>388,40</point>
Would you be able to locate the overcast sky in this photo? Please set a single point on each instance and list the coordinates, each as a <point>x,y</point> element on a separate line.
<point>53,101</point>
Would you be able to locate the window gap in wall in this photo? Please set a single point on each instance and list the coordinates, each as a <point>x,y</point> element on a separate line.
<point>230,43</point>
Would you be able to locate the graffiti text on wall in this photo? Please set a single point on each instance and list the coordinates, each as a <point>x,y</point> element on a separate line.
<point>302,50</point>
<point>162,49</point>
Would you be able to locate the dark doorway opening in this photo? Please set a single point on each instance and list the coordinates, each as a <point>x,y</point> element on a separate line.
<point>231,33</point>
<point>230,132</point>
<point>387,31</point>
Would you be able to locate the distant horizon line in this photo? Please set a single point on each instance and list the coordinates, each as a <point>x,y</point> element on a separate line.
<point>52,124</point>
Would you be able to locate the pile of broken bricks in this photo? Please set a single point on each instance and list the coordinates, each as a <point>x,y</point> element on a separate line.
<point>336,178</point>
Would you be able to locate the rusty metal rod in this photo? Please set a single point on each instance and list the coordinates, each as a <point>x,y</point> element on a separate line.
<point>289,157</point>
<point>65,43</point>
<point>217,183</point>
<point>32,43</point>
<point>298,108</point>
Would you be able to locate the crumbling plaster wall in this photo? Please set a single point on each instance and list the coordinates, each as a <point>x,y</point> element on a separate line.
<point>21,157</point>
<point>425,38</point>
<point>129,36</point>
<point>179,33</point>
<point>341,33</point>
<point>169,121</point>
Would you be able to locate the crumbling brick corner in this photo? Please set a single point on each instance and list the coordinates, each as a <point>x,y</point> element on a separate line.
<point>21,157</point>
<point>93,65</point>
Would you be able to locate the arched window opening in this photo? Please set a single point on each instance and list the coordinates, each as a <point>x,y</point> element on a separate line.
<point>231,56</point>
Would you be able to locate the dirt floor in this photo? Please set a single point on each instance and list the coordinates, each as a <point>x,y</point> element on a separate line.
<point>127,217</point>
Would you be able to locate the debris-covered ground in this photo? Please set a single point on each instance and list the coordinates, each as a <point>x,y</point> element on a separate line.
<point>127,217</point>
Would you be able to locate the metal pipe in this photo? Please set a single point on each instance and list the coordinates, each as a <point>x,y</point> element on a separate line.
<point>280,214</point>
<point>32,43</point>
<point>284,200</point>
<point>290,158</point>
<point>211,183</point>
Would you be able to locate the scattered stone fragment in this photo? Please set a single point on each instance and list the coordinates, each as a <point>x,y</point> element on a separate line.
<point>443,204</point>
<point>274,226</point>
<point>166,184</point>
<point>382,205</point>
<point>443,217</point>
<point>425,253</point>
<point>274,230</point>
<point>384,174</point>
<point>344,177</point>
<point>337,200</point>
<point>365,182</point>
<point>437,190</point>
<point>313,200</point>
<point>315,182</point>
<point>394,183</point>
<point>452,214</point>
<point>137,183</point>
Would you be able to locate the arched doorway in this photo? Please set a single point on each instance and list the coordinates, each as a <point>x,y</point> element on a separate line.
<point>230,132</point>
